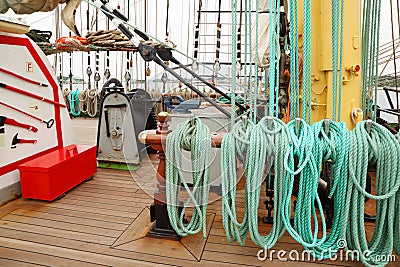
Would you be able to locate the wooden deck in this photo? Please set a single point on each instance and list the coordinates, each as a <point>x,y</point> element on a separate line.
<point>85,228</point>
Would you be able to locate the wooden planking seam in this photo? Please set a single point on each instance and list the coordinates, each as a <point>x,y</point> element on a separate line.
<point>81,214</point>
<point>87,247</point>
<point>121,202</point>
<point>44,259</point>
<point>13,262</point>
<point>94,211</point>
<point>63,225</point>
<point>61,218</point>
<point>50,232</point>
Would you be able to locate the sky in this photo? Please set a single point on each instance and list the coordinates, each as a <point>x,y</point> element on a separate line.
<point>182,18</point>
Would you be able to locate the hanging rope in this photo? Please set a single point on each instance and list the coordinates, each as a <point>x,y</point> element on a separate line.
<point>195,66</point>
<point>371,143</point>
<point>307,62</point>
<point>301,148</point>
<point>234,145</point>
<point>331,147</point>
<point>193,136</point>
<point>239,43</point>
<point>294,61</point>
<point>73,98</point>
<point>217,65</point>
<point>269,142</point>
<point>274,55</point>
<point>370,55</point>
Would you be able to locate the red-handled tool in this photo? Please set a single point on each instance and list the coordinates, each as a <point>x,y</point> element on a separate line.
<point>17,141</point>
<point>22,77</point>
<point>14,89</point>
<point>48,123</point>
<point>5,120</point>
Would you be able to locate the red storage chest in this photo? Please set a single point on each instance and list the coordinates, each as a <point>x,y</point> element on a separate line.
<point>49,176</point>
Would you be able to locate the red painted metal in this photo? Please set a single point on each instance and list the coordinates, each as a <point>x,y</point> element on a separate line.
<point>22,92</point>
<point>24,41</point>
<point>22,77</point>
<point>53,174</point>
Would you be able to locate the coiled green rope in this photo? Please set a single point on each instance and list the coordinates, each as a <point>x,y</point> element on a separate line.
<point>331,144</point>
<point>194,136</point>
<point>302,145</point>
<point>380,147</point>
<point>73,98</point>
<point>235,144</point>
<point>268,143</point>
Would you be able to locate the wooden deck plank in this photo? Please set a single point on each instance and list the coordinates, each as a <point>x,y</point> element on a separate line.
<point>79,229</point>
<point>78,214</point>
<point>73,220</point>
<point>72,255</point>
<point>68,226</point>
<point>15,263</point>
<point>67,234</point>
<point>39,259</point>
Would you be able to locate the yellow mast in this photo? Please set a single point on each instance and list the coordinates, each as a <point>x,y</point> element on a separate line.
<point>322,96</point>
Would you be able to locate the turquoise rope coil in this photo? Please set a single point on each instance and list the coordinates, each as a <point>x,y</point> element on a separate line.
<point>331,147</point>
<point>193,136</point>
<point>234,146</point>
<point>380,147</point>
<point>73,98</point>
<point>301,147</point>
<point>268,144</point>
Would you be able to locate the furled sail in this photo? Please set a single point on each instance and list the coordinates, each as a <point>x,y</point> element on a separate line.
<point>31,6</point>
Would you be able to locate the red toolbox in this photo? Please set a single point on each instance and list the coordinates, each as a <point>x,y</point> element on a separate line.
<point>50,176</point>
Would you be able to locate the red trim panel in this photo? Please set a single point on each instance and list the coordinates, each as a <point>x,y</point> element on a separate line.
<point>11,40</point>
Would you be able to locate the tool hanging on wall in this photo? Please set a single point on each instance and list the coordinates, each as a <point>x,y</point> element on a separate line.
<point>16,141</point>
<point>20,91</point>
<point>217,65</point>
<point>195,66</point>
<point>4,120</point>
<point>23,78</point>
<point>48,123</point>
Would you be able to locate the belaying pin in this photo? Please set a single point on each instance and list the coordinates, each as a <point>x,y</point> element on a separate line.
<point>327,125</point>
<point>369,124</point>
<point>297,126</point>
<point>244,120</point>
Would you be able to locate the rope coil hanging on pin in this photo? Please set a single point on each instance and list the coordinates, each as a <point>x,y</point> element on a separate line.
<point>193,136</point>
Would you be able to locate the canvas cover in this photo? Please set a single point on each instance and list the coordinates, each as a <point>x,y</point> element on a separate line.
<point>31,6</point>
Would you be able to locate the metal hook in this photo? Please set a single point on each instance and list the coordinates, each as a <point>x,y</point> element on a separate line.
<point>327,125</point>
<point>369,124</point>
<point>297,126</point>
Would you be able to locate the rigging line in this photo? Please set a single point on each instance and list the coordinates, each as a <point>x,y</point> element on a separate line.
<point>394,55</point>
<point>217,66</point>
<point>239,42</point>
<point>397,91</point>
<point>137,30</point>
<point>167,23</point>
<point>89,69</point>
<point>196,38</point>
